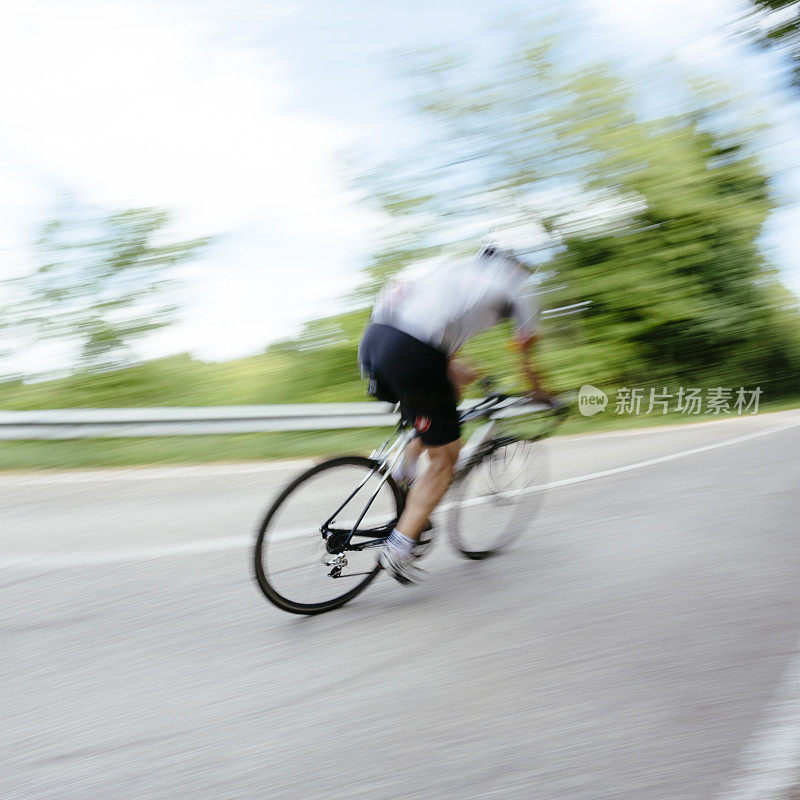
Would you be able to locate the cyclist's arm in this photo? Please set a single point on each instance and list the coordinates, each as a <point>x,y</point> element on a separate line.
<point>524,344</point>
<point>461,373</point>
<point>525,311</point>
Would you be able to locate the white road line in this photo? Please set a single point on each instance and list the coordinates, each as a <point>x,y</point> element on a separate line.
<point>48,562</point>
<point>628,467</point>
<point>688,427</point>
<point>88,559</point>
<point>769,767</point>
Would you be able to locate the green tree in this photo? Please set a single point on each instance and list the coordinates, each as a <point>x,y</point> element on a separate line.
<point>653,219</point>
<point>102,283</point>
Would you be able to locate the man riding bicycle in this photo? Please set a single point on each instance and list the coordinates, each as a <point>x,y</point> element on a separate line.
<point>408,350</point>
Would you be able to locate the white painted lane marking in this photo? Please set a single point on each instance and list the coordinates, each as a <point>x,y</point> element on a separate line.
<point>628,467</point>
<point>48,562</point>
<point>87,559</point>
<point>769,767</point>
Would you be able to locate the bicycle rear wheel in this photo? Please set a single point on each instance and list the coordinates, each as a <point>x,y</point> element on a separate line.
<point>494,502</point>
<point>301,562</point>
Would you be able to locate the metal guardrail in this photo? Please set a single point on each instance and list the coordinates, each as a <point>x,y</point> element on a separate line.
<point>89,423</point>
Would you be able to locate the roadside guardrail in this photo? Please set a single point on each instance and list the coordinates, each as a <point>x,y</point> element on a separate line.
<point>89,423</point>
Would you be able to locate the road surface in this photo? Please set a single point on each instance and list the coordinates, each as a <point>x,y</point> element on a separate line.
<point>641,643</point>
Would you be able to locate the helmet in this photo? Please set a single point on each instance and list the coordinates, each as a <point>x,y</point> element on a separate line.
<point>490,249</point>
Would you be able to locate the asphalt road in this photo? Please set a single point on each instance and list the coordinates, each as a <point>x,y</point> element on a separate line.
<point>635,645</point>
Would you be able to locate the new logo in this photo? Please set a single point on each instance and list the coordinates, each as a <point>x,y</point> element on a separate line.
<point>591,400</point>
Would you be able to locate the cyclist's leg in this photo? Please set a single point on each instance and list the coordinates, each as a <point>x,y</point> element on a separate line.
<point>434,412</point>
<point>429,488</point>
<point>417,374</point>
<point>461,375</point>
<point>401,550</point>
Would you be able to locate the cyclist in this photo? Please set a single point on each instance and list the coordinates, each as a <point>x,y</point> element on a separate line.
<point>408,351</point>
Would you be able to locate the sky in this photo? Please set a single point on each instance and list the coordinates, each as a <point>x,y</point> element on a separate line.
<point>236,115</point>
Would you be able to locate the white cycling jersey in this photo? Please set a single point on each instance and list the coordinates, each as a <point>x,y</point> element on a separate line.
<point>447,306</point>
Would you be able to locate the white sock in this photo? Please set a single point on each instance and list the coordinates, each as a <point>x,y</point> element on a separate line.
<point>401,544</point>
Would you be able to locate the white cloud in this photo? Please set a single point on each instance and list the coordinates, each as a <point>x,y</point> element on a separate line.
<point>698,35</point>
<point>704,37</point>
<point>661,28</point>
<point>134,103</point>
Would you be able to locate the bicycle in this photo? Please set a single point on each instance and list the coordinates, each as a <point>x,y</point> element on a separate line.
<point>334,554</point>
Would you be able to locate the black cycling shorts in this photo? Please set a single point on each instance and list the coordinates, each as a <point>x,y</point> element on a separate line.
<point>405,370</point>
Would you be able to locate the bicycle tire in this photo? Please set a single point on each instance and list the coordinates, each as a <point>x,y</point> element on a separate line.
<point>392,502</point>
<point>521,498</point>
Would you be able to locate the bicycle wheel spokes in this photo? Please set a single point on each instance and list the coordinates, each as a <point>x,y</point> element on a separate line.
<point>495,502</point>
<point>301,570</point>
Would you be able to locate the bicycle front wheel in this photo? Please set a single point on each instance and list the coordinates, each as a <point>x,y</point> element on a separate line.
<point>494,503</point>
<point>302,562</point>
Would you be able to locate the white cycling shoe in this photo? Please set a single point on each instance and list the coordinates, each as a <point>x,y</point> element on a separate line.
<point>402,569</point>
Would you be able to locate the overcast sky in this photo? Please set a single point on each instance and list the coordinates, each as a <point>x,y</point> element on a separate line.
<point>234,114</point>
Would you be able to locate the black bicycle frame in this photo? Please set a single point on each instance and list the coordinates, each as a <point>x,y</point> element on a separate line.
<point>373,533</point>
<point>480,410</point>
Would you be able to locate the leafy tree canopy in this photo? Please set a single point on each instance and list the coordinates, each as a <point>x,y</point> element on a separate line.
<point>101,284</point>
